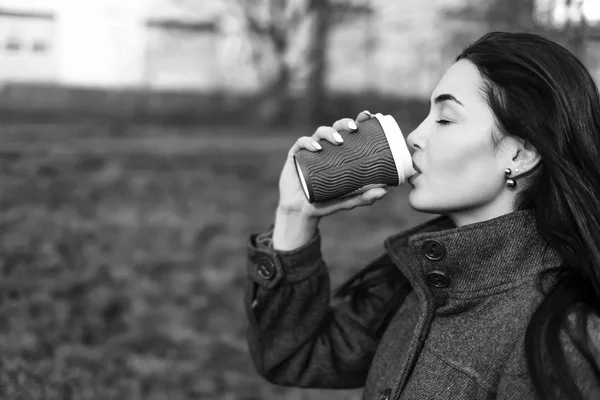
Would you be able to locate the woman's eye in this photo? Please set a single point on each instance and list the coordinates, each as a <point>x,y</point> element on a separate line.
<point>443,122</point>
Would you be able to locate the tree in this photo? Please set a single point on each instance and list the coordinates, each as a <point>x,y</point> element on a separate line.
<point>292,35</point>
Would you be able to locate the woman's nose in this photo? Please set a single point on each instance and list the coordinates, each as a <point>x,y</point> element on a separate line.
<point>411,150</point>
<point>410,141</point>
<point>415,138</point>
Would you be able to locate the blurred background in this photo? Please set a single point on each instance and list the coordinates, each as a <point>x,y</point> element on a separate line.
<point>141,143</point>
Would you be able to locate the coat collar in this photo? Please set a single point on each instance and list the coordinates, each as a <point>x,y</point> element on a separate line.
<point>475,260</point>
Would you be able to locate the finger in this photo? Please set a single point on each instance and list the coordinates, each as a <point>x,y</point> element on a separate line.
<point>375,194</point>
<point>305,142</point>
<point>363,116</point>
<point>362,199</point>
<point>345,125</point>
<point>329,134</point>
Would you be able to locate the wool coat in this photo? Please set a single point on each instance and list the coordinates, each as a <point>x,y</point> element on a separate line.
<point>458,332</point>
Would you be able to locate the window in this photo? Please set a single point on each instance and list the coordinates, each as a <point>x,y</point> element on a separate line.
<point>40,46</point>
<point>12,44</point>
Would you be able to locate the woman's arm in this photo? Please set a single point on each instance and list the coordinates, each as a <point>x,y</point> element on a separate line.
<point>296,336</point>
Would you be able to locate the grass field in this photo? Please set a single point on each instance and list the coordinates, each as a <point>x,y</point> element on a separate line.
<point>122,259</point>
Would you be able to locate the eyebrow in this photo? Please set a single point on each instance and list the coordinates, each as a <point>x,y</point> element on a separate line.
<point>446,97</point>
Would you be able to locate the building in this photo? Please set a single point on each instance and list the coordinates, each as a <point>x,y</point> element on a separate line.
<point>183,48</point>
<point>71,42</point>
<point>28,45</point>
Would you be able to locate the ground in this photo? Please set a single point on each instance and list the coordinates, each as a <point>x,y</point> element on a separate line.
<point>122,259</point>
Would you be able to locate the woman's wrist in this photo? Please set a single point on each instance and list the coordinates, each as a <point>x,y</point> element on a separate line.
<point>293,230</point>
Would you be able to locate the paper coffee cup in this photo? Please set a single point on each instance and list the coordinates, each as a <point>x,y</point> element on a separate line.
<point>375,155</point>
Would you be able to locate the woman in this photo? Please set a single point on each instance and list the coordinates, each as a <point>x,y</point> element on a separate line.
<point>499,297</point>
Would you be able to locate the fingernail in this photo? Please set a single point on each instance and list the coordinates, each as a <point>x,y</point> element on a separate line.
<point>317,145</point>
<point>338,137</point>
<point>352,125</point>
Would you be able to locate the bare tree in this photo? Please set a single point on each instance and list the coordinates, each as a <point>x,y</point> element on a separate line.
<point>292,36</point>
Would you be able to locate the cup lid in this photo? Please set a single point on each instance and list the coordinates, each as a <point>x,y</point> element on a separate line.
<point>398,146</point>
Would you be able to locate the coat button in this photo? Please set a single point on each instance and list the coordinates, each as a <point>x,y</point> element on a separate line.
<point>438,279</point>
<point>266,268</point>
<point>385,394</point>
<point>433,250</point>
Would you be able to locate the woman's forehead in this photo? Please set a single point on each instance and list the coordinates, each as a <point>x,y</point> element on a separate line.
<point>463,81</point>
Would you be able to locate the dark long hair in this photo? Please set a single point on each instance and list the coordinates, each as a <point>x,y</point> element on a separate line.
<point>540,92</point>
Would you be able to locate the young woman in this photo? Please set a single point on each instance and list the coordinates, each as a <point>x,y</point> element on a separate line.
<point>496,298</point>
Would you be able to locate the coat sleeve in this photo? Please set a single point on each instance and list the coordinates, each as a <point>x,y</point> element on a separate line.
<point>296,335</point>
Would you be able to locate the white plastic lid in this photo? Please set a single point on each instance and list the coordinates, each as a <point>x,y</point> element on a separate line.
<point>398,146</point>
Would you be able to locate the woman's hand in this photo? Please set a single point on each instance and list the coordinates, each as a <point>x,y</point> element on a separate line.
<point>292,199</point>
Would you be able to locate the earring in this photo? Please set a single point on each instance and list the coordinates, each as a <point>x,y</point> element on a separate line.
<point>510,182</point>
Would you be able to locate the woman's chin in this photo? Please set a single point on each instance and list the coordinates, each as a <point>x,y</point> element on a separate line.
<point>413,200</point>
<point>418,203</point>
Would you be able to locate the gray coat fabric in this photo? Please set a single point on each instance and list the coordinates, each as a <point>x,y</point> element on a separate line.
<point>458,334</point>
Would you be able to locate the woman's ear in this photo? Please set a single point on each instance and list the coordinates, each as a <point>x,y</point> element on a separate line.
<point>519,155</point>
<point>525,158</point>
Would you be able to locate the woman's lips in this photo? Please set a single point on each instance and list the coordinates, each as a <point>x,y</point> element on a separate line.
<point>413,177</point>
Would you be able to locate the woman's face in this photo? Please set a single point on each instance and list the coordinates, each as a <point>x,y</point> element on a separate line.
<point>453,149</point>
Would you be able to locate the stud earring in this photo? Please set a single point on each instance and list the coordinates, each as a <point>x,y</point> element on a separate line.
<point>510,182</point>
